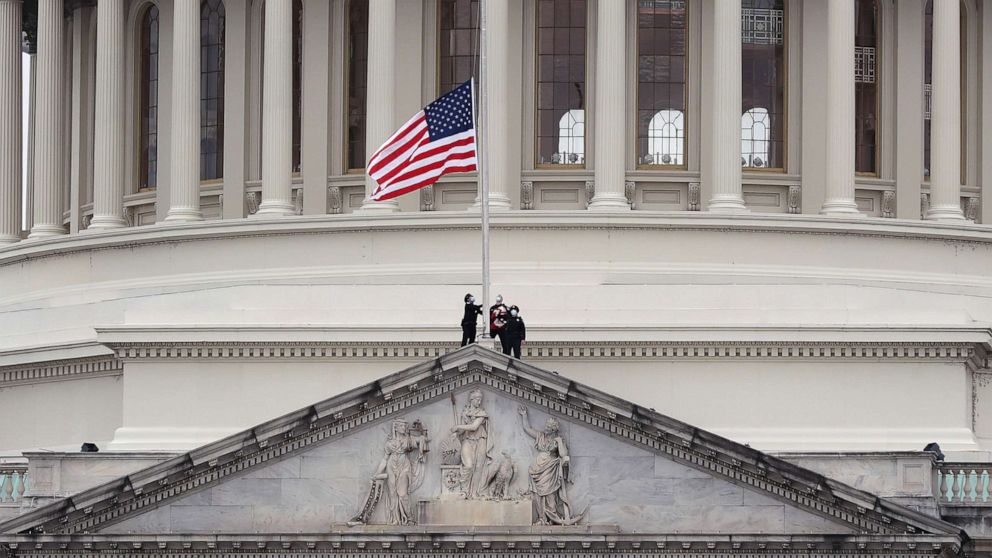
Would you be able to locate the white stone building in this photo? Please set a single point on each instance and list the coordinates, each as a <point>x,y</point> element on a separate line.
<point>195,255</point>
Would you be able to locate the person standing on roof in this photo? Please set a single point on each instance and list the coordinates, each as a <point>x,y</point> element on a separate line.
<point>498,313</point>
<point>469,320</point>
<point>514,333</point>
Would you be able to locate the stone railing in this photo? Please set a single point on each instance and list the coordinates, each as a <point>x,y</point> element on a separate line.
<point>15,483</point>
<point>963,484</point>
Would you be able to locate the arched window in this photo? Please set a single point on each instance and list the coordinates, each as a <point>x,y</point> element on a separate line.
<point>561,82</point>
<point>358,33</point>
<point>763,73</point>
<point>866,86</point>
<point>458,43</point>
<point>661,78</point>
<point>211,89</point>
<point>756,130</point>
<point>666,139</point>
<point>297,84</point>
<point>571,138</point>
<point>928,80</point>
<point>148,99</point>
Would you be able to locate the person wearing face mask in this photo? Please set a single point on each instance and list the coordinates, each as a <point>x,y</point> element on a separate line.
<point>497,319</point>
<point>514,333</point>
<point>472,310</point>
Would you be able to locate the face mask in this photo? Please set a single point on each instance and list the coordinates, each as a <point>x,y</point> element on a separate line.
<point>513,313</point>
<point>499,300</point>
<point>472,300</point>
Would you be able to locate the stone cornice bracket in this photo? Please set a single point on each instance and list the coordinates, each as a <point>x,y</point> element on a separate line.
<point>433,380</point>
<point>526,195</point>
<point>334,199</point>
<point>58,370</point>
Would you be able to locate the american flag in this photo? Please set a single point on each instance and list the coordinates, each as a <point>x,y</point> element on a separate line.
<point>438,140</point>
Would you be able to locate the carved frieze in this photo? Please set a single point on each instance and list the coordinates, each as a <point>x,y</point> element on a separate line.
<point>795,199</point>
<point>971,208</point>
<point>888,204</point>
<point>590,191</point>
<point>694,195</point>
<point>629,191</point>
<point>251,200</point>
<point>334,200</point>
<point>427,198</point>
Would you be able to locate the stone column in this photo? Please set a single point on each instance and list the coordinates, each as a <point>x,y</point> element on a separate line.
<point>611,117</point>
<point>10,121</point>
<point>840,145</point>
<point>277,110</point>
<point>725,123</point>
<point>945,116</point>
<point>108,172</point>
<point>184,202</point>
<point>497,141</point>
<point>49,162</point>
<point>380,122</point>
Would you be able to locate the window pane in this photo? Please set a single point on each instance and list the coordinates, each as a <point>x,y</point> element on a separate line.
<point>148,99</point>
<point>459,48</point>
<point>763,83</point>
<point>211,89</point>
<point>561,72</point>
<point>358,31</point>
<point>661,28</point>
<point>297,83</point>
<point>865,85</point>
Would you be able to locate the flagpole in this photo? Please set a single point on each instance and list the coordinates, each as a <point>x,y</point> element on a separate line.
<point>483,175</point>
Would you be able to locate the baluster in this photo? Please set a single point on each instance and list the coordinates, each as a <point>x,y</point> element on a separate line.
<point>8,487</point>
<point>960,485</point>
<point>19,487</point>
<point>972,486</point>
<point>25,483</point>
<point>984,483</point>
<point>939,486</point>
<point>949,483</point>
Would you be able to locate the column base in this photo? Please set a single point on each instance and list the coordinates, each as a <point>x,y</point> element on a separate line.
<point>609,202</point>
<point>46,231</point>
<point>106,222</point>
<point>9,238</point>
<point>727,204</point>
<point>184,214</point>
<point>945,213</point>
<point>373,207</point>
<point>275,208</point>
<point>497,202</point>
<point>840,208</point>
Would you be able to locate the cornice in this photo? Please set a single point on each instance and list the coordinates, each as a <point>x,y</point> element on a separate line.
<point>514,220</point>
<point>470,542</point>
<point>60,370</point>
<point>320,423</point>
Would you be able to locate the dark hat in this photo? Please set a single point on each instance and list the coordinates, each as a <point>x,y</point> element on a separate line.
<point>514,307</point>
<point>468,296</point>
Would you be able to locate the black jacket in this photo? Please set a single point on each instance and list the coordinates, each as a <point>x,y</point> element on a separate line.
<point>471,311</point>
<point>515,329</point>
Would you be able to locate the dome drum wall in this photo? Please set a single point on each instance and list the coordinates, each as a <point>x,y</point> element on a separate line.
<point>216,325</point>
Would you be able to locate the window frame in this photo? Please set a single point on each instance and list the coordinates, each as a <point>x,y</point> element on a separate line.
<point>537,85</point>
<point>877,173</point>
<point>685,97</point>
<point>222,95</point>
<point>786,106</point>
<point>348,170</point>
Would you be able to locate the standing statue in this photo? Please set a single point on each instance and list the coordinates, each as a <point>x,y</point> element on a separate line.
<point>549,473</point>
<point>477,444</point>
<point>398,474</point>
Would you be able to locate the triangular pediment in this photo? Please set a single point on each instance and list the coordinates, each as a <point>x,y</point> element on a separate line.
<point>631,471</point>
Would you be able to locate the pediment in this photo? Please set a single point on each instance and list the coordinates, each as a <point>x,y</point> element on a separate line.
<point>630,472</point>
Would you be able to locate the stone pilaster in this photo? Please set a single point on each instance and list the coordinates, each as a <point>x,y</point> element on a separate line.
<point>945,115</point>
<point>611,117</point>
<point>277,110</point>
<point>380,122</point>
<point>497,141</point>
<point>10,121</point>
<point>724,165</point>
<point>49,162</point>
<point>840,145</point>
<point>184,202</point>
<point>108,172</point>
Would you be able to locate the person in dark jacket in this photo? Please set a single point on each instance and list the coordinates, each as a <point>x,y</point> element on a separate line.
<point>498,313</point>
<point>469,320</point>
<point>514,332</point>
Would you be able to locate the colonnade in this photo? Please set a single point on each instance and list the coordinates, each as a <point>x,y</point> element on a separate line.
<point>720,163</point>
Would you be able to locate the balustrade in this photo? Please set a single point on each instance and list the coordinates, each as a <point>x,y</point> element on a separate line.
<point>963,484</point>
<point>15,483</point>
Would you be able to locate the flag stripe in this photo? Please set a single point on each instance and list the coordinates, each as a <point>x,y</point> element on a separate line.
<point>438,140</point>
